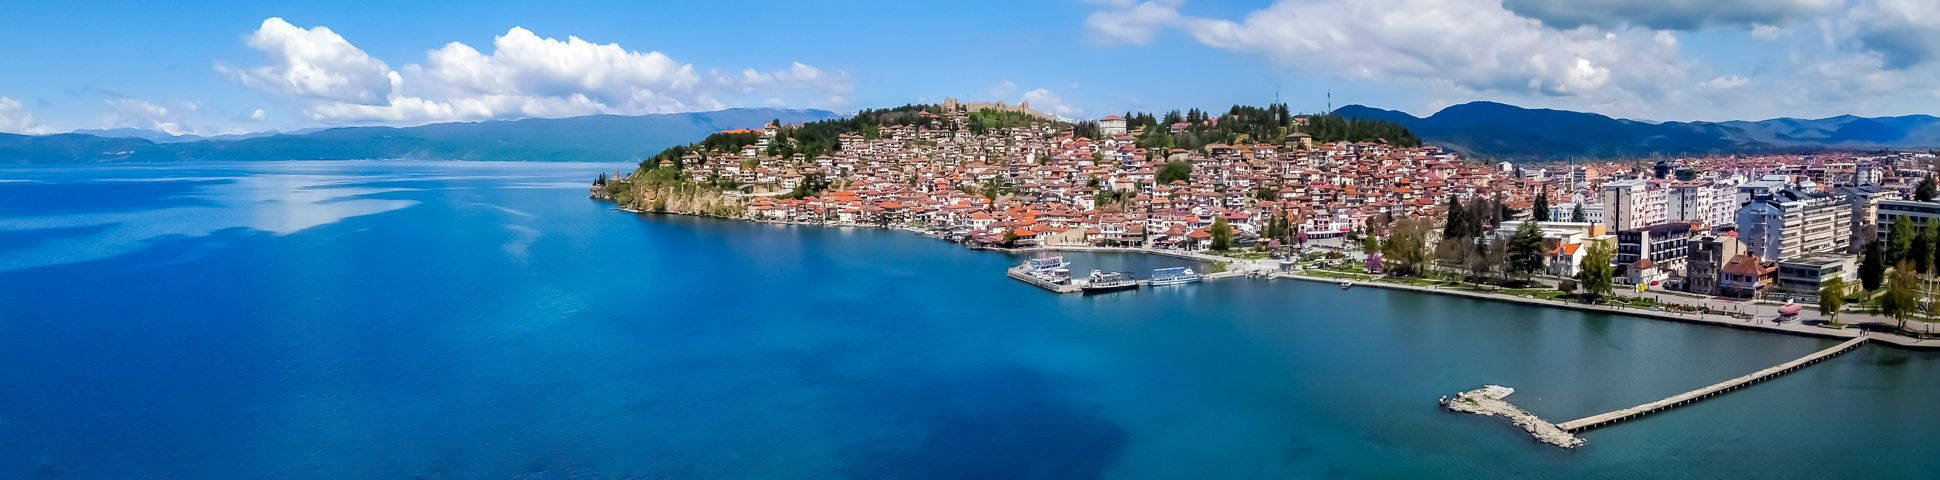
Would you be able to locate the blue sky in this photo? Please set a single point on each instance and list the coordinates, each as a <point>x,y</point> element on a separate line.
<point>221,68</point>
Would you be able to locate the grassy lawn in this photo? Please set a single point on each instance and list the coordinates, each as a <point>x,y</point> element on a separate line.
<point>1339,275</point>
<point>1542,293</point>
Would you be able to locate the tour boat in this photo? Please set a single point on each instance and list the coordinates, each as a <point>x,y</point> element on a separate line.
<point>1052,268</point>
<point>1102,282</point>
<point>1173,276</point>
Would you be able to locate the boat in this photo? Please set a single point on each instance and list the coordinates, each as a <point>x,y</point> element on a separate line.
<point>1053,268</point>
<point>1104,282</point>
<point>1346,283</point>
<point>1173,276</point>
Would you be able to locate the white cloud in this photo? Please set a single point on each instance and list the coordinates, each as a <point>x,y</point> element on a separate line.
<point>1726,82</point>
<point>143,114</point>
<point>314,63</point>
<point>1669,14</point>
<point>257,115</point>
<point>1904,33</point>
<point>525,75</point>
<point>1133,23</point>
<point>1461,45</point>
<point>14,119</point>
<point>1044,101</point>
<point>1003,90</point>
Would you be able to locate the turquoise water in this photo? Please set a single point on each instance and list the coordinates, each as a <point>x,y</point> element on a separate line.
<point>363,319</point>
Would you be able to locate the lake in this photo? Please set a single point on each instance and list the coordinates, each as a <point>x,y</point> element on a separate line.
<point>421,319</point>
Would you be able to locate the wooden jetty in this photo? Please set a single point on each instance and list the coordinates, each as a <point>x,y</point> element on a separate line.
<point>1687,398</point>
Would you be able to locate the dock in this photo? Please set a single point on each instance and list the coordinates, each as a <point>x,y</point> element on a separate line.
<point>1490,400</point>
<point>1076,285</point>
<point>1690,397</point>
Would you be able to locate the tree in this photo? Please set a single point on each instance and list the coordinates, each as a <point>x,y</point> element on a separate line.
<point>1406,250</point>
<point>1926,190</point>
<point>1175,170</point>
<point>1370,244</point>
<point>1872,267</point>
<point>1541,212</point>
<point>1832,297</point>
<point>1901,298</point>
<point>1595,273</point>
<point>1453,255</point>
<point>1222,234</point>
<point>1456,225</point>
<point>1578,215</point>
<point>1921,253</point>
<point>1566,286</point>
<point>1526,249</point>
<point>1899,242</point>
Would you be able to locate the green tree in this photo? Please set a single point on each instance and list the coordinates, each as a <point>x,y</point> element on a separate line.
<point>1832,297</point>
<point>1406,250</point>
<point>1925,191</point>
<point>1175,170</point>
<point>1541,213</point>
<point>1899,242</point>
<point>1872,267</point>
<point>1901,298</point>
<point>1222,234</point>
<point>1578,215</point>
<point>1595,273</point>
<point>1526,250</point>
<point>1369,243</point>
<point>1456,225</point>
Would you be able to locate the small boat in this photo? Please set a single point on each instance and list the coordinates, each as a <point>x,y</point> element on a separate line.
<point>1346,283</point>
<point>1173,276</point>
<point>1053,268</point>
<point>1103,282</point>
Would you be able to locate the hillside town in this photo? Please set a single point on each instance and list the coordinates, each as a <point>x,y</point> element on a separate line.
<point>1772,226</point>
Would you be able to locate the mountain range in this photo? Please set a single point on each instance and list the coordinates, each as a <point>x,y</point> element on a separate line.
<point>593,138</point>
<point>1489,129</point>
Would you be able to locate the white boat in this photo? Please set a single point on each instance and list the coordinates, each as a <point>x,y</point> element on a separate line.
<point>1173,276</point>
<point>1102,282</point>
<point>1346,283</point>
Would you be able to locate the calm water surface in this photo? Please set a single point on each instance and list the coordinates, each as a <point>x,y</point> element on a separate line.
<point>382,320</point>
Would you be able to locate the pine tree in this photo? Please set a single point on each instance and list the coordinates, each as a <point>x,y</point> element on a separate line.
<point>1542,207</point>
<point>1578,215</point>
<point>1526,249</point>
<point>1872,267</point>
<point>1457,223</point>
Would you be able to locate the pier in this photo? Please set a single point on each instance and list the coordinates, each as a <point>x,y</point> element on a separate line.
<point>1687,398</point>
<point>1076,285</point>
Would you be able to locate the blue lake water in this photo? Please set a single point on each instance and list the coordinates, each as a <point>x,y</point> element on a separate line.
<point>463,320</point>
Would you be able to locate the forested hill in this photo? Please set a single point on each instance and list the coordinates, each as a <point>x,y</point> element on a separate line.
<point>1249,124</point>
<point>817,138</point>
<point>595,138</point>
<point>1488,129</point>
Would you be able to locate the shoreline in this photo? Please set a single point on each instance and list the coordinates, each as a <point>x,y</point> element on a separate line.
<point>1795,328</point>
<point>1691,318</point>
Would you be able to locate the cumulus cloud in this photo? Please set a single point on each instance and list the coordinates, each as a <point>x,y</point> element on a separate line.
<point>136,113</point>
<point>1044,101</point>
<point>1466,45</point>
<point>1904,33</point>
<point>1669,14</point>
<point>257,115</point>
<point>313,63</point>
<point>14,119</point>
<point>1133,23</point>
<point>525,75</point>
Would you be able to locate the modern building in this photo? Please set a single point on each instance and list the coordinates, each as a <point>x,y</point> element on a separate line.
<point>1865,201</point>
<point>1633,203</point>
<point>1704,266</point>
<point>1793,222</point>
<point>1700,201</point>
<point>1889,211</point>
<point>1664,246</point>
<point>1804,275</point>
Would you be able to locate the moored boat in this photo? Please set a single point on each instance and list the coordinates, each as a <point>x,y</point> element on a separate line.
<point>1173,276</point>
<point>1103,282</point>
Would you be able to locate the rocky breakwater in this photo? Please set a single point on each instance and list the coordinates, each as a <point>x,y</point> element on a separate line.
<point>1490,400</point>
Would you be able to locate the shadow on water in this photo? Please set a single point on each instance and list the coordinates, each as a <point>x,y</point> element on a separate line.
<point>1000,423</point>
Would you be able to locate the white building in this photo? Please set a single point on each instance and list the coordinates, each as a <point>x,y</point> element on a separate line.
<point>1111,125</point>
<point>1793,222</point>
<point>1700,201</point>
<point>1633,203</point>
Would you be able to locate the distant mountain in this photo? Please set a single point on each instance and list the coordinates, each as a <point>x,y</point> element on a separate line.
<point>595,138</point>
<point>158,136</point>
<point>1492,129</point>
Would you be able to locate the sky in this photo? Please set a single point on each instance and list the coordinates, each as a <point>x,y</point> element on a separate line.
<point>230,67</point>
